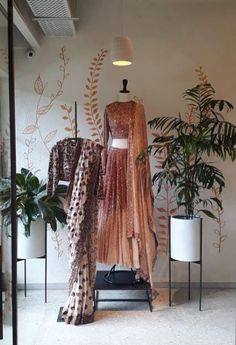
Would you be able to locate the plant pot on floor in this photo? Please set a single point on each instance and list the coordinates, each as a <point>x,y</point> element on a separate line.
<point>32,246</point>
<point>185,237</point>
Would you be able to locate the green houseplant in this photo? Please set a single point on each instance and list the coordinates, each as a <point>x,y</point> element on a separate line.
<point>187,147</point>
<point>32,202</point>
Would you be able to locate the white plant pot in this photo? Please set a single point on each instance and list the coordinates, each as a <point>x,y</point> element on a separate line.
<point>185,238</point>
<point>34,245</point>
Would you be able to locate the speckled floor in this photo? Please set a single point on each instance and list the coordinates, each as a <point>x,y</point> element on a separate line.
<point>132,323</point>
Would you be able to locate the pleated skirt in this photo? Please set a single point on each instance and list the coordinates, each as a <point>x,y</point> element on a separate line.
<point>114,246</point>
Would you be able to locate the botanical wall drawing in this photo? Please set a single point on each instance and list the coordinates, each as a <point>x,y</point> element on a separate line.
<point>93,118</point>
<point>35,132</point>
<point>43,107</point>
<point>4,53</point>
<point>220,223</point>
<point>70,126</point>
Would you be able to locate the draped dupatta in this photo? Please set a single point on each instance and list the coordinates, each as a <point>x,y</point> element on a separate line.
<point>140,197</point>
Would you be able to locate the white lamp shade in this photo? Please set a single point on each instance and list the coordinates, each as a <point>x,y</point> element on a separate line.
<point>122,51</point>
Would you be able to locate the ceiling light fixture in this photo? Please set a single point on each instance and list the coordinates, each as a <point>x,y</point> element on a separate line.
<point>122,51</point>
<point>121,48</point>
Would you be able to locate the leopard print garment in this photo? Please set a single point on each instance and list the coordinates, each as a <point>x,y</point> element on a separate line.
<point>82,235</point>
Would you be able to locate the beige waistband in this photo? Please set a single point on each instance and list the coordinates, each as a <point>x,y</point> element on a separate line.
<point>120,143</point>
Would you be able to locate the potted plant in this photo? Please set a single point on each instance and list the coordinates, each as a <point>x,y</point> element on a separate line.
<point>187,147</point>
<point>34,209</point>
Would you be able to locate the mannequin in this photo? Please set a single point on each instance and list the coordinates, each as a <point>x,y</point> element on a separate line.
<point>124,94</point>
<point>126,232</point>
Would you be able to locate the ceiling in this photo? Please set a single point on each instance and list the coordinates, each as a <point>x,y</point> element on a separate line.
<point>36,19</point>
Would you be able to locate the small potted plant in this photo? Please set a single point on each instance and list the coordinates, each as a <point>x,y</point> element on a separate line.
<point>187,147</point>
<point>34,209</point>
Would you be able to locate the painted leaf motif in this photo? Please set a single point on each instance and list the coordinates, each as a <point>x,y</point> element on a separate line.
<point>223,238</point>
<point>162,217</point>
<point>68,129</point>
<point>160,209</point>
<point>29,129</point>
<point>63,107</point>
<point>44,109</point>
<point>173,210</point>
<point>38,85</point>
<point>50,136</point>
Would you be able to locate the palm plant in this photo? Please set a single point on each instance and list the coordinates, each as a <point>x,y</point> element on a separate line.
<point>187,147</point>
<point>32,201</point>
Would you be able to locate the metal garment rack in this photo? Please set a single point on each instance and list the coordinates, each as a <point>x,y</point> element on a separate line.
<point>189,270</point>
<point>45,268</point>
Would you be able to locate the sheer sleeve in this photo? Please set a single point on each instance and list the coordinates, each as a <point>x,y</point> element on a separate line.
<point>53,171</point>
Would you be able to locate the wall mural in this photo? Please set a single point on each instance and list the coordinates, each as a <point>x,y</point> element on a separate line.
<point>43,107</point>
<point>4,53</point>
<point>93,118</point>
<point>220,223</point>
<point>70,127</point>
<point>167,200</point>
<point>34,131</point>
<point>94,121</point>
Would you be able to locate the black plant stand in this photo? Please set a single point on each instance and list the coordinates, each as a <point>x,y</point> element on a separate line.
<point>189,270</point>
<point>45,268</point>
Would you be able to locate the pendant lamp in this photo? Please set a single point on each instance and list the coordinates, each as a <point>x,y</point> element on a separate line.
<point>122,51</point>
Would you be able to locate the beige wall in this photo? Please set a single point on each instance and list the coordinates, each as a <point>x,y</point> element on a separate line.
<point>171,39</point>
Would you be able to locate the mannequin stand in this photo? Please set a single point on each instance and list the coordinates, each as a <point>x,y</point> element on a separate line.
<point>121,277</point>
<point>120,285</point>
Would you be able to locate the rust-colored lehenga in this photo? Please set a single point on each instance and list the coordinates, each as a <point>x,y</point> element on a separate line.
<point>126,233</point>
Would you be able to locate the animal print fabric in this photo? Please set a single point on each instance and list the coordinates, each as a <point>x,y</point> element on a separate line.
<point>61,161</point>
<point>82,235</point>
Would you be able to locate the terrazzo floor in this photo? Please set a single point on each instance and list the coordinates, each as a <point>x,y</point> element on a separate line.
<point>132,323</point>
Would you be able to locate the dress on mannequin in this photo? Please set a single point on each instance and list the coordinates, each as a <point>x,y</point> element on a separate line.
<point>126,232</point>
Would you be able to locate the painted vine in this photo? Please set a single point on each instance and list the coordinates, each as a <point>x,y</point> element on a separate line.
<point>43,109</point>
<point>57,239</point>
<point>4,53</point>
<point>167,206</point>
<point>93,118</point>
<point>70,127</point>
<point>219,231</point>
